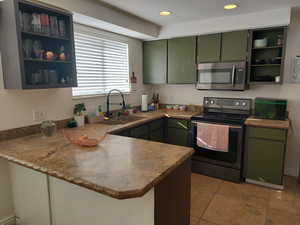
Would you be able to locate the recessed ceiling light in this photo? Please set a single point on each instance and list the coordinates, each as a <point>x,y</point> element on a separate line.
<point>230,6</point>
<point>165,13</point>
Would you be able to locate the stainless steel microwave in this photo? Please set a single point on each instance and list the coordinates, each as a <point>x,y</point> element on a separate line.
<point>222,76</point>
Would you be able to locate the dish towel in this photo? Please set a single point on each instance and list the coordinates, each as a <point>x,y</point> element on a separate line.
<point>213,136</point>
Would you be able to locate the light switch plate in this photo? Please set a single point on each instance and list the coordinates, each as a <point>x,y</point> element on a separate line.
<point>38,115</point>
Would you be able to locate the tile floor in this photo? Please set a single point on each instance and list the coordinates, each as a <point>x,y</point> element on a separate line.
<point>218,202</point>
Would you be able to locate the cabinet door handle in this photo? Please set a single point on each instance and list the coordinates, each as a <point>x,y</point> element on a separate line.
<point>233,76</point>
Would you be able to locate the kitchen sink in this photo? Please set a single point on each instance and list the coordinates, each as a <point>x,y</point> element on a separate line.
<point>122,120</point>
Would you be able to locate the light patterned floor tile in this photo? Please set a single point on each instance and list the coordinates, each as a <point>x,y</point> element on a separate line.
<point>199,203</point>
<point>203,222</point>
<point>244,191</point>
<point>194,220</point>
<point>204,184</point>
<point>233,211</point>
<point>285,201</point>
<point>277,217</point>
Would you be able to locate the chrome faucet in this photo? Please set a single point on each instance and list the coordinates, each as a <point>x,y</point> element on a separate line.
<point>108,113</point>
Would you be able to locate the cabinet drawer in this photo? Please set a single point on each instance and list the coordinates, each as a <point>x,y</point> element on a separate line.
<point>157,124</point>
<point>265,160</point>
<point>141,131</point>
<point>267,133</point>
<point>175,123</point>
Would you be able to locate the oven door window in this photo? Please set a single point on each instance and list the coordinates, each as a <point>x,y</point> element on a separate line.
<point>230,156</point>
<point>215,76</point>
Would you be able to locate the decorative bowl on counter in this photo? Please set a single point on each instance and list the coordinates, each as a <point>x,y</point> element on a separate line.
<point>82,139</point>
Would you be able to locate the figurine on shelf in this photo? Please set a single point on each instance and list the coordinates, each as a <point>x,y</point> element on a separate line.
<point>62,54</point>
<point>49,55</point>
<point>37,49</point>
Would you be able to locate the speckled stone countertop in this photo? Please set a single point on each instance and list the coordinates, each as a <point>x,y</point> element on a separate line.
<point>278,124</point>
<point>119,167</point>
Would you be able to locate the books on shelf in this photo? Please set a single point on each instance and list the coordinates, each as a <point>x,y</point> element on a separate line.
<point>42,23</point>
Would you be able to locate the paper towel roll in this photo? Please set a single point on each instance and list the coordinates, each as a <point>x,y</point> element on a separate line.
<point>144,103</point>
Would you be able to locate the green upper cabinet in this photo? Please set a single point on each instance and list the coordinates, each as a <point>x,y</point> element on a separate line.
<point>182,60</point>
<point>209,48</point>
<point>155,62</point>
<point>234,46</point>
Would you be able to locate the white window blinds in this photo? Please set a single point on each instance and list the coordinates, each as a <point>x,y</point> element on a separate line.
<point>102,65</point>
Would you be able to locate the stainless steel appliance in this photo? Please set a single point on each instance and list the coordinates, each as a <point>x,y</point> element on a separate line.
<point>222,76</point>
<point>227,111</point>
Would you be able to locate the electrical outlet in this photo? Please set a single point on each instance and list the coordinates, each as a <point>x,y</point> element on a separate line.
<point>38,116</point>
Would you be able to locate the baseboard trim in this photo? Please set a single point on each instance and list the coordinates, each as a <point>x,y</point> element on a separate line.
<point>273,186</point>
<point>8,221</point>
<point>291,172</point>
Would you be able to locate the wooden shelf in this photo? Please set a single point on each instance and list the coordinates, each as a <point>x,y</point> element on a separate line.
<point>264,65</point>
<point>270,47</point>
<point>44,35</point>
<point>46,86</point>
<point>47,61</point>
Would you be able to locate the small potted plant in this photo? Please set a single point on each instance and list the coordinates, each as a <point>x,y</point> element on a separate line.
<point>79,114</point>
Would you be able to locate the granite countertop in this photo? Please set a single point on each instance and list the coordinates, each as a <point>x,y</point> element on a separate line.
<point>120,167</point>
<point>279,124</point>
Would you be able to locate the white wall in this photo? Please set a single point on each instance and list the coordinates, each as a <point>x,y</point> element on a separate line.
<point>186,94</point>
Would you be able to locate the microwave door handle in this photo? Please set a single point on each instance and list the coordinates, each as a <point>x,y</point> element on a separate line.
<point>233,76</point>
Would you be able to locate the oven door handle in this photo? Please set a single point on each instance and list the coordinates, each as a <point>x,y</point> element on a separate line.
<point>230,126</point>
<point>233,76</point>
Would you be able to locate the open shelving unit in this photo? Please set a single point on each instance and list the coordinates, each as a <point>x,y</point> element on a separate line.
<point>267,63</point>
<point>37,58</point>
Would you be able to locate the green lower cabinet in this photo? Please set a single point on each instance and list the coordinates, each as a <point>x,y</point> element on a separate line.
<point>141,132</point>
<point>177,136</point>
<point>157,135</point>
<point>265,155</point>
<point>124,133</point>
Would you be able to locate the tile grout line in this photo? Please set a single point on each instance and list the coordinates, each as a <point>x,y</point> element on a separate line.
<point>214,195</point>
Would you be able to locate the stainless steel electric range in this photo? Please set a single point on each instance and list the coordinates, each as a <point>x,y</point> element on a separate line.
<point>227,111</point>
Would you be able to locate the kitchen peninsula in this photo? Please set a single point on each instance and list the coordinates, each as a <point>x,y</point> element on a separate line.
<point>122,181</point>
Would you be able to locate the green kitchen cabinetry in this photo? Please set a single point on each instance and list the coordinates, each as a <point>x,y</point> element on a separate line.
<point>154,131</point>
<point>141,132</point>
<point>234,46</point>
<point>157,130</point>
<point>209,48</point>
<point>155,62</point>
<point>177,132</point>
<point>265,154</point>
<point>182,60</point>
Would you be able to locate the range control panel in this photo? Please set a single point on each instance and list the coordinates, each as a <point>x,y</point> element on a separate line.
<point>227,103</point>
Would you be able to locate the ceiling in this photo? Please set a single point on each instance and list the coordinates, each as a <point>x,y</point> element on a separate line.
<point>189,10</point>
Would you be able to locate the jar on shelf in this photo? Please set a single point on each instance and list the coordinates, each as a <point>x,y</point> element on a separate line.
<point>279,39</point>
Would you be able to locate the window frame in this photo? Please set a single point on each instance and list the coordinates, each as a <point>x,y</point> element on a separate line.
<point>79,28</point>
